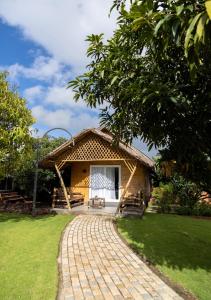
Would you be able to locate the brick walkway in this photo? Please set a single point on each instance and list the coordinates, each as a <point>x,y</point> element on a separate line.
<point>96,264</point>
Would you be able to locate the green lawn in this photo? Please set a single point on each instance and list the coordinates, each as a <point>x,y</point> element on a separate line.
<point>180,247</point>
<point>28,252</point>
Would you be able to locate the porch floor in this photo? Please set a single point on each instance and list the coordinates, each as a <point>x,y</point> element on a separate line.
<point>109,209</point>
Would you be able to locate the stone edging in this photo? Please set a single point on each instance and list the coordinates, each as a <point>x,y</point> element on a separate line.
<point>176,287</point>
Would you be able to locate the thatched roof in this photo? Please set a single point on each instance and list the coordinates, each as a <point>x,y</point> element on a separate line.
<point>104,134</point>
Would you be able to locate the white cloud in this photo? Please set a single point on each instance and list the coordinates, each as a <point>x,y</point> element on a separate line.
<point>57,96</point>
<point>57,118</point>
<point>33,93</point>
<point>60,26</point>
<point>64,118</point>
<point>44,68</point>
<point>60,96</point>
<point>75,122</point>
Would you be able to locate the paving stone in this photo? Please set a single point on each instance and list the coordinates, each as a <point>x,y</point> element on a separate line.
<point>96,264</point>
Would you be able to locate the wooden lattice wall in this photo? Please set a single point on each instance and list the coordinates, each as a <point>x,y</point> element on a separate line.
<point>92,148</point>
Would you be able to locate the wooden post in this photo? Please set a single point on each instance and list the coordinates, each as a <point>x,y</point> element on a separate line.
<point>126,187</point>
<point>63,186</point>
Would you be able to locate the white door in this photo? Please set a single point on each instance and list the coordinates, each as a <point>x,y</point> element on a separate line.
<point>105,182</point>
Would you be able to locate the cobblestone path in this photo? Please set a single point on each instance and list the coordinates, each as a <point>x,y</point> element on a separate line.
<point>96,264</point>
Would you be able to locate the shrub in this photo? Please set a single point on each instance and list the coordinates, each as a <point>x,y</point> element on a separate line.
<point>164,197</point>
<point>180,196</point>
<point>184,210</point>
<point>202,209</point>
<point>187,193</point>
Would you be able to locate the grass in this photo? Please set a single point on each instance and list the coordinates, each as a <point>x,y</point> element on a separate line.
<point>28,252</point>
<point>180,247</point>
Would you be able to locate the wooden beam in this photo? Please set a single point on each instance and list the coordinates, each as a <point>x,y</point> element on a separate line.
<point>61,164</point>
<point>128,166</point>
<point>63,186</point>
<point>126,187</point>
<point>129,180</point>
<point>104,159</point>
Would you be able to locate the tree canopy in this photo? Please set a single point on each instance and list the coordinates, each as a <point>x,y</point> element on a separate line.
<point>15,122</point>
<point>154,79</point>
<point>24,175</point>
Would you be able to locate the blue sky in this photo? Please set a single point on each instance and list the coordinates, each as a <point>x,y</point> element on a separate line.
<point>43,47</point>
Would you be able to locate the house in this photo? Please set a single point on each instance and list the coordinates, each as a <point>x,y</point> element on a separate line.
<point>98,168</point>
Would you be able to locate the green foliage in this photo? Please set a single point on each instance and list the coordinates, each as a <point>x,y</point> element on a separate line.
<point>184,210</point>
<point>154,79</point>
<point>188,194</point>
<point>15,122</point>
<point>202,209</point>
<point>164,197</point>
<point>24,177</point>
<point>160,172</point>
<point>208,8</point>
<point>183,23</point>
<point>180,196</point>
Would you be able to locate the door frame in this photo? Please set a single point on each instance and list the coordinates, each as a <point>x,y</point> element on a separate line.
<point>106,166</point>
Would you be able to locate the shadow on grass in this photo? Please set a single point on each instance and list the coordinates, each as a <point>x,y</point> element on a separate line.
<point>17,217</point>
<point>168,240</point>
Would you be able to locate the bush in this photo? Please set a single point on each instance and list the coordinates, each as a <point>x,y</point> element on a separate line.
<point>180,196</point>
<point>164,197</point>
<point>184,210</point>
<point>202,209</point>
<point>187,193</point>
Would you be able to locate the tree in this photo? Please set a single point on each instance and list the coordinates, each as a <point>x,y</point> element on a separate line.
<point>154,79</point>
<point>24,175</point>
<point>185,23</point>
<point>15,122</point>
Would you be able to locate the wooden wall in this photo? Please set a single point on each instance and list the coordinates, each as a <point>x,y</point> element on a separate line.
<point>81,173</point>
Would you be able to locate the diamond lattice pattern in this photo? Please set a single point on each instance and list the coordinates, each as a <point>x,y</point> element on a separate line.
<point>93,147</point>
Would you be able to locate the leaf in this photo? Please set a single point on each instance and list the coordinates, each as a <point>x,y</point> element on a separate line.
<point>111,9</point>
<point>189,32</point>
<point>208,8</point>
<point>114,79</point>
<point>138,22</point>
<point>102,74</point>
<point>150,147</point>
<point>161,22</point>
<point>179,9</point>
<point>148,97</point>
<point>122,81</point>
<point>200,27</point>
<point>173,99</point>
<point>175,27</point>
<point>190,7</point>
<point>159,106</point>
